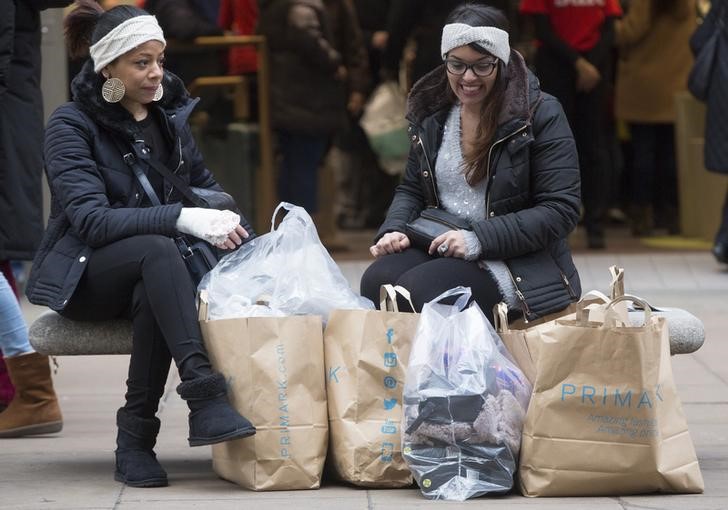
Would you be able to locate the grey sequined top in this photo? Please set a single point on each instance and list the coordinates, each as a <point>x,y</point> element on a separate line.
<point>460,198</point>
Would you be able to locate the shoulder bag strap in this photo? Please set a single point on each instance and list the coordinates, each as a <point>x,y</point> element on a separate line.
<point>132,163</point>
<point>178,183</point>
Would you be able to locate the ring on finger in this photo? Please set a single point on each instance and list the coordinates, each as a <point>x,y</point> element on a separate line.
<point>442,249</point>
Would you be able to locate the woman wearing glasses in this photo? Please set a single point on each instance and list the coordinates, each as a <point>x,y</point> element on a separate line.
<point>489,147</point>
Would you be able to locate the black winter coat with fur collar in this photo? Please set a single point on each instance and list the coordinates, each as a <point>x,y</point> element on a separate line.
<point>532,200</point>
<point>95,198</point>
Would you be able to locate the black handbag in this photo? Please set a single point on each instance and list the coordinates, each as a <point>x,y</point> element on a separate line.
<point>431,223</point>
<point>704,44</point>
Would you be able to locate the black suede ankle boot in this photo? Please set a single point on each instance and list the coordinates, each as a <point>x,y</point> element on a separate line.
<point>136,463</point>
<point>212,418</point>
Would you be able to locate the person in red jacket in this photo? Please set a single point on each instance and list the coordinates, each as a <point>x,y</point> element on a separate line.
<point>240,18</point>
<point>573,62</point>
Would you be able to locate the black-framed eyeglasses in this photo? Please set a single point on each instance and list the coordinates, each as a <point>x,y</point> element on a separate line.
<point>481,69</point>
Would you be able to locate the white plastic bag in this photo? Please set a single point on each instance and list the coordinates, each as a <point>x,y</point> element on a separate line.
<point>287,269</point>
<point>464,403</point>
<point>384,123</point>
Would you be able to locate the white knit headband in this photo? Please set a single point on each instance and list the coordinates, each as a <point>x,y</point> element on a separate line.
<point>125,37</point>
<point>492,39</point>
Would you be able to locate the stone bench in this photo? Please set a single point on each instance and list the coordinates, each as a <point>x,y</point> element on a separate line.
<point>56,336</point>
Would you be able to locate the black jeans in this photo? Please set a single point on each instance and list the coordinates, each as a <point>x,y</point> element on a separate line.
<point>427,277</point>
<point>144,278</point>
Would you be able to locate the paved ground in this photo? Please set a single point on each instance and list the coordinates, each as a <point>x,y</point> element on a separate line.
<point>73,470</point>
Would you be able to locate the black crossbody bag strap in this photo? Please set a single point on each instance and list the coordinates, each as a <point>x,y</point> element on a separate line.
<point>165,172</point>
<point>178,183</point>
<point>131,162</point>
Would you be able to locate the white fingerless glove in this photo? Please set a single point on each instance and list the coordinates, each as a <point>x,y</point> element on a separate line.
<point>209,224</point>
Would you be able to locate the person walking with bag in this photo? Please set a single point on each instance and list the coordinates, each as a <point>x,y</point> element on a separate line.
<point>108,252</point>
<point>496,156</point>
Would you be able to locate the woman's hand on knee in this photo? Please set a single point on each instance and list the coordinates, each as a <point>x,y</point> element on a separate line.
<point>391,242</point>
<point>449,244</point>
<point>235,238</point>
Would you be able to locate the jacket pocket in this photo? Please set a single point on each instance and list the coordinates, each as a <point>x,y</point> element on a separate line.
<point>541,286</point>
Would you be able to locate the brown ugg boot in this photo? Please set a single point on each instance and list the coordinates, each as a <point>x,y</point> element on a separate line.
<point>34,409</point>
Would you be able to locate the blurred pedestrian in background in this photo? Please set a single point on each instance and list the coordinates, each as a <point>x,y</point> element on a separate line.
<point>573,62</point>
<point>710,47</point>
<point>308,92</point>
<point>34,408</point>
<point>654,62</point>
<point>21,138</point>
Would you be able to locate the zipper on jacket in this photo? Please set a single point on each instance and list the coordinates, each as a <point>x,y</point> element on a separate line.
<point>567,284</point>
<point>520,296</point>
<point>487,169</point>
<point>179,165</point>
<point>431,178</point>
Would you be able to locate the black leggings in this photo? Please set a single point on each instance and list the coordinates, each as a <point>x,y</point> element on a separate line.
<point>427,277</point>
<point>144,278</point>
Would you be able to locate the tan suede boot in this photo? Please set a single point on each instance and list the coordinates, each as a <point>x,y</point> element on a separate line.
<point>34,410</point>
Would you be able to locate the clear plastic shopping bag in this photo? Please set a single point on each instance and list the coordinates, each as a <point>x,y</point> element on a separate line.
<point>288,270</point>
<point>464,403</point>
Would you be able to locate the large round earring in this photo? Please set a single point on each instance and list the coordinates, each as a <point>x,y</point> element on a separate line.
<point>158,93</point>
<point>113,90</point>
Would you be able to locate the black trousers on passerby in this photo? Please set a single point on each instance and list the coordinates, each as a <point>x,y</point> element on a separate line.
<point>144,278</point>
<point>654,179</point>
<point>427,277</point>
<point>586,112</point>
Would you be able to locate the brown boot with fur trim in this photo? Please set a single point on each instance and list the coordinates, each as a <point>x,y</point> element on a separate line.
<point>34,409</point>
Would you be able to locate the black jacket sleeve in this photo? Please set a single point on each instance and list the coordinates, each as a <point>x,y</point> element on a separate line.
<point>599,54</point>
<point>305,35</point>
<point>545,33</point>
<point>7,35</point>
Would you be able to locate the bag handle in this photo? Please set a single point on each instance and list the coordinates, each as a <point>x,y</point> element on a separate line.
<point>616,288</point>
<point>283,205</point>
<point>612,316</point>
<point>388,297</point>
<point>500,317</point>
<point>465,294</point>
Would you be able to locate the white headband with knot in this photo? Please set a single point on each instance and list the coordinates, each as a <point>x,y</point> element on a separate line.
<point>125,37</point>
<point>492,39</point>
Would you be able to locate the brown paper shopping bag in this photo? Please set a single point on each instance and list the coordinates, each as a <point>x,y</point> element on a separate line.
<point>523,338</point>
<point>366,352</point>
<point>605,417</point>
<point>275,370</point>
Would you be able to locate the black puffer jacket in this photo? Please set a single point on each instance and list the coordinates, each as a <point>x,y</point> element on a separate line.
<point>95,198</point>
<point>532,200</point>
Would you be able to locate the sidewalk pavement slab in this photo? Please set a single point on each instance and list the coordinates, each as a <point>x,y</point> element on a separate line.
<point>74,469</point>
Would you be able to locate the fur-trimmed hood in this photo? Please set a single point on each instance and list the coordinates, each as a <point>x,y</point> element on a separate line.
<point>86,92</point>
<point>430,95</point>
